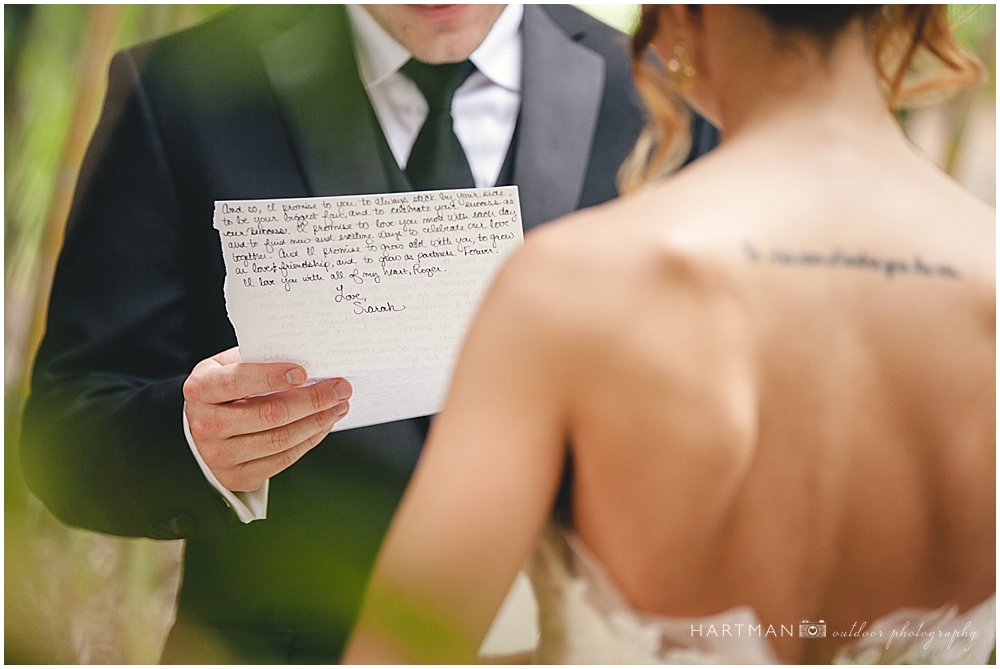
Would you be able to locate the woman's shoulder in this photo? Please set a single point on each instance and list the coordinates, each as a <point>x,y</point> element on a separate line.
<point>609,243</point>
<point>590,273</point>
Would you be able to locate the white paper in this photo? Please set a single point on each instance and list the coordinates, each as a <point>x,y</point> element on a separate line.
<point>378,289</point>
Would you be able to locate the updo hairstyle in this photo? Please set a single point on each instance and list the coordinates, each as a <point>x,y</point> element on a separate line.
<point>917,59</point>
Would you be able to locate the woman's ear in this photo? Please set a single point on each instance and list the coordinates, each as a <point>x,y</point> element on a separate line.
<point>689,27</point>
<point>679,15</point>
<point>666,29</point>
<point>685,17</point>
<point>679,24</point>
<point>686,20</point>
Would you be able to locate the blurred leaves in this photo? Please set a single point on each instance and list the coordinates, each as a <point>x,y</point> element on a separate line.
<point>623,17</point>
<point>70,595</point>
<point>55,69</point>
<point>975,27</point>
<point>959,134</point>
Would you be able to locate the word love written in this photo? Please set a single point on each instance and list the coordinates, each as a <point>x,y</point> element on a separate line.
<point>362,282</point>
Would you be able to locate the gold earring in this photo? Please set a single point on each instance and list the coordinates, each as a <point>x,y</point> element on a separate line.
<point>679,68</point>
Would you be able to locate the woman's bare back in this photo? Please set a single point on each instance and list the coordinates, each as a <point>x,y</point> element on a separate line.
<point>775,371</point>
<point>789,399</point>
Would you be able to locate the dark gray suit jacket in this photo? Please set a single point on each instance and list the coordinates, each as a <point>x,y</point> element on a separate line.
<point>261,102</point>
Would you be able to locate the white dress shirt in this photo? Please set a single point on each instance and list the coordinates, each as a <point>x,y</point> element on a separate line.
<point>484,110</point>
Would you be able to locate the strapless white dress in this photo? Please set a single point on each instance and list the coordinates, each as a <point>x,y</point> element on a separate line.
<point>584,619</point>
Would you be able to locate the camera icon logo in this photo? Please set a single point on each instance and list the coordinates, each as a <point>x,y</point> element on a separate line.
<point>810,630</point>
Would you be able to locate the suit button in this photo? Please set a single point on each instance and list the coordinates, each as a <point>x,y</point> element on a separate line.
<point>182,524</point>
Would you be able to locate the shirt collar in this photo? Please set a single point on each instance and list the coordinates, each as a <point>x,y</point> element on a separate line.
<point>499,56</point>
<point>380,56</point>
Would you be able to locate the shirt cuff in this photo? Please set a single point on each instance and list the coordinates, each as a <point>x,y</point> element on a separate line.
<point>248,506</point>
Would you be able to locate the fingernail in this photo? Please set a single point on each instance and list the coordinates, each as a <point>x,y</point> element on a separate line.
<point>342,390</point>
<point>340,409</point>
<point>295,376</point>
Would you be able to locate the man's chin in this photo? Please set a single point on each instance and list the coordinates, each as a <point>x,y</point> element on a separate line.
<point>437,33</point>
<point>444,32</point>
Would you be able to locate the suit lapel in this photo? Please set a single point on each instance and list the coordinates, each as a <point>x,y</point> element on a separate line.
<point>562,86</point>
<point>329,118</point>
<point>326,110</point>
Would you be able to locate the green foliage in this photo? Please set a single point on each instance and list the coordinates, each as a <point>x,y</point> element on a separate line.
<point>975,28</point>
<point>38,108</point>
<point>414,629</point>
<point>623,17</point>
<point>42,61</point>
<point>70,596</point>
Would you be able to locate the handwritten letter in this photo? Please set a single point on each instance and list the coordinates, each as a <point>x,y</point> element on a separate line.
<point>379,289</point>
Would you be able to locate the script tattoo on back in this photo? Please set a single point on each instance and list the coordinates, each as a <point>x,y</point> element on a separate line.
<point>858,260</point>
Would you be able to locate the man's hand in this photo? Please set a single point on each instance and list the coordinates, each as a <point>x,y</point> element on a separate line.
<point>244,439</point>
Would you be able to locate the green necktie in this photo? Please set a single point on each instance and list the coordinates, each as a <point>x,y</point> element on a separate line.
<point>437,160</point>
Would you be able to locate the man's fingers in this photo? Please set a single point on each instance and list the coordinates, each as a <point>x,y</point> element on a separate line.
<point>245,448</point>
<point>266,412</point>
<point>228,357</point>
<point>227,383</point>
<point>250,475</point>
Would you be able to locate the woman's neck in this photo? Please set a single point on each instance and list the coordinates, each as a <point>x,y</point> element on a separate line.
<point>798,90</point>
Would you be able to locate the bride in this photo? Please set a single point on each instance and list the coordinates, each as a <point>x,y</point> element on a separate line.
<point>767,383</point>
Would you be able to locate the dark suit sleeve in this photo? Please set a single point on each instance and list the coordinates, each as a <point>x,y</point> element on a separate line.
<point>103,444</point>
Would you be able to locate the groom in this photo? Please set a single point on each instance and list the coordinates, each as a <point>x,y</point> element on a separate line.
<point>271,102</point>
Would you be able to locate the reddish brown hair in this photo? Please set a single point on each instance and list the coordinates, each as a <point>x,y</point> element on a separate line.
<point>914,52</point>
